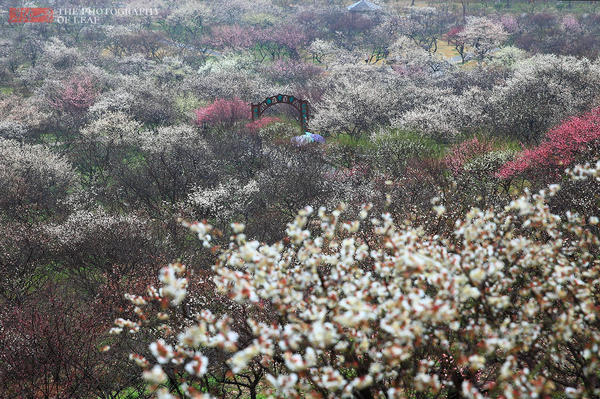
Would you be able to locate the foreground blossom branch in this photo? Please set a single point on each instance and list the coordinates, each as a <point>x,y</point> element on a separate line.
<point>507,307</point>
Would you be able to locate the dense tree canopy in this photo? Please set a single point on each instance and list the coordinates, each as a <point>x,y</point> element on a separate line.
<point>420,238</point>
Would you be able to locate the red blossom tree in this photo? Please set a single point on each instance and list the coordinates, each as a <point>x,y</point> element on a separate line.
<point>563,145</point>
<point>224,112</point>
<point>53,341</point>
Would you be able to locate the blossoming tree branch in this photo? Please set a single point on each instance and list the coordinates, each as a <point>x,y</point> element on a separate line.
<point>372,308</point>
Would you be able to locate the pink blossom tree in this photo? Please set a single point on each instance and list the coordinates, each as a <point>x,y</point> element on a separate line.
<point>278,41</point>
<point>570,24</point>
<point>455,38</point>
<point>77,95</point>
<point>509,23</point>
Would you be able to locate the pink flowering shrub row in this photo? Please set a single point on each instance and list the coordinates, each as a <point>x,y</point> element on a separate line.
<point>561,148</point>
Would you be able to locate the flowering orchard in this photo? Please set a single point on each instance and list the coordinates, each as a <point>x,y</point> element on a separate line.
<point>367,308</point>
<point>111,133</point>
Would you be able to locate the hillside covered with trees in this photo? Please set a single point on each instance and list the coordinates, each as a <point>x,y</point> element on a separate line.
<point>169,229</point>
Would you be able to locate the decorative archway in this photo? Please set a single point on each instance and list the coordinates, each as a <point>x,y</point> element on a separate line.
<point>302,106</point>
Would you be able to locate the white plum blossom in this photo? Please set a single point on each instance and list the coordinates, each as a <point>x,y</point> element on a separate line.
<point>174,287</point>
<point>155,375</point>
<point>198,365</point>
<point>283,384</point>
<point>161,351</point>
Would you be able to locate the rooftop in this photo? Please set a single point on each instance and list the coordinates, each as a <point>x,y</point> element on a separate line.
<point>363,6</point>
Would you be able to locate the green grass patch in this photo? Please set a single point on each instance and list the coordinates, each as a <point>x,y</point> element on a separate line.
<point>500,143</point>
<point>429,147</point>
<point>445,49</point>
<point>260,19</point>
<point>49,139</point>
<point>346,140</point>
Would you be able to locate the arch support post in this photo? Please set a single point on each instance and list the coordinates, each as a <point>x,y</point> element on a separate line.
<point>255,109</point>
<point>304,114</point>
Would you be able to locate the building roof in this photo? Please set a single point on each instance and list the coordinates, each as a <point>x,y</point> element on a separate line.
<point>363,6</point>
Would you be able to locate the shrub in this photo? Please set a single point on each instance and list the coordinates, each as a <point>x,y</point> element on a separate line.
<point>33,179</point>
<point>53,343</point>
<point>359,99</point>
<point>508,56</point>
<point>261,123</point>
<point>49,347</point>
<point>30,113</point>
<point>393,150</point>
<point>12,130</point>
<point>231,76</point>
<point>93,242</point>
<point>543,91</point>
<point>277,132</point>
